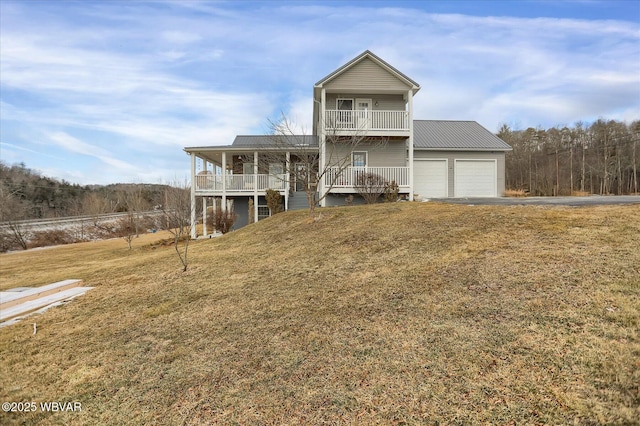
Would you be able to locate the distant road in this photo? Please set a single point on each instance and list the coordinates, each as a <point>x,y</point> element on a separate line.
<point>592,200</point>
<point>58,222</point>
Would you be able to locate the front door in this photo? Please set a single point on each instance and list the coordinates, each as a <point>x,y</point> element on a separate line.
<point>363,109</point>
<point>300,177</point>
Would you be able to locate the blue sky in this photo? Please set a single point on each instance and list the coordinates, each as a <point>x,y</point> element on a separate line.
<point>111,91</point>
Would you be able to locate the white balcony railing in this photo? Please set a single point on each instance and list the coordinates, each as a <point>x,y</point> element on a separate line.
<point>350,176</point>
<point>240,183</point>
<point>366,120</point>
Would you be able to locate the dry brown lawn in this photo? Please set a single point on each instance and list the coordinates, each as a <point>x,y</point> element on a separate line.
<point>406,313</point>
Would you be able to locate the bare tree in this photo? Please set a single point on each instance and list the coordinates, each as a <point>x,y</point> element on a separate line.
<point>600,156</point>
<point>176,210</point>
<point>12,215</point>
<point>222,220</point>
<point>95,205</point>
<point>126,227</point>
<point>315,177</point>
<point>135,203</point>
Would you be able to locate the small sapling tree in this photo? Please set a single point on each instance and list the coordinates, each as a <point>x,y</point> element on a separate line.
<point>176,210</point>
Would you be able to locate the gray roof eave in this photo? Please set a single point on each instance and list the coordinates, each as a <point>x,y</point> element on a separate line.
<point>246,148</point>
<point>415,148</point>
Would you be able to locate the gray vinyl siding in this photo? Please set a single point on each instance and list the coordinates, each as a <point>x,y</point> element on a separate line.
<point>393,154</point>
<point>386,102</point>
<point>366,75</point>
<point>466,155</point>
<point>241,208</point>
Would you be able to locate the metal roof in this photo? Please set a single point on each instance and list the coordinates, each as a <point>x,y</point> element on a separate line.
<point>274,141</point>
<point>442,135</point>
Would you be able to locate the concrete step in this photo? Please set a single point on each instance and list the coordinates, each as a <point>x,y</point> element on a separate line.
<point>15,296</point>
<point>28,306</point>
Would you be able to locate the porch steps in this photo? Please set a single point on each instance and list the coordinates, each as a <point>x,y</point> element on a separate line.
<point>24,300</point>
<point>298,201</point>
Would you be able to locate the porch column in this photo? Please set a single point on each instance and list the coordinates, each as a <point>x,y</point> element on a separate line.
<point>255,171</point>
<point>193,196</point>
<point>410,142</point>
<point>204,217</point>
<point>255,207</point>
<point>255,186</point>
<point>322,141</point>
<point>286,180</point>
<point>223,204</point>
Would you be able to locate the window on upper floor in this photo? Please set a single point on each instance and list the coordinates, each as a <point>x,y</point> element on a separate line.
<point>344,104</point>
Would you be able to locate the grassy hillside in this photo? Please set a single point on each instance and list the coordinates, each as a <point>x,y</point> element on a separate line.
<point>396,313</point>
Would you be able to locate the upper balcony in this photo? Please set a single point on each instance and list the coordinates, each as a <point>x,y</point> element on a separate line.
<point>366,122</point>
<point>241,184</point>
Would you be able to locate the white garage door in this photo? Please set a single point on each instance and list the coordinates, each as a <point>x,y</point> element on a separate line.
<point>475,178</point>
<point>430,178</point>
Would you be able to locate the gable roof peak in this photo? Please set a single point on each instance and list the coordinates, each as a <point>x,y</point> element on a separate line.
<point>379,61</point>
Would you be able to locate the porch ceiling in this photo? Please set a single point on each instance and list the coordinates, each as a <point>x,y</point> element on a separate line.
<point>214,154</point>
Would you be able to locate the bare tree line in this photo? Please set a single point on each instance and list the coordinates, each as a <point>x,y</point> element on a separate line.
<point>600,158</point>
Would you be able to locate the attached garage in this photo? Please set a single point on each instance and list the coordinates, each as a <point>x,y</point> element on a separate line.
<point>430,178</point>
<point>475,178</point>
<point>457,159</point>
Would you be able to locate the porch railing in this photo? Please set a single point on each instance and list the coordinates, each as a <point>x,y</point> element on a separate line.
<point>366,120</point>
<point>241,183</point>
<point>349,177</point>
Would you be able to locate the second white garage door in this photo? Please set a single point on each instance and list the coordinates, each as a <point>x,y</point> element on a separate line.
<point>475,178</point>
<point>430,178</point>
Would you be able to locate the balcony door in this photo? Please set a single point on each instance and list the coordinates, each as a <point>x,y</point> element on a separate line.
<point>276,171</point>
<point>363,113</point>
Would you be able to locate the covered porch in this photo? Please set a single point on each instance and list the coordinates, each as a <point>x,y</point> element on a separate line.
<point>225,173</point>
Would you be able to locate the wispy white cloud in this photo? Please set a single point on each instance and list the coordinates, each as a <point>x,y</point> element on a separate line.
<point>130,84</point>
<point>75,145</point>
<point>180,37</point>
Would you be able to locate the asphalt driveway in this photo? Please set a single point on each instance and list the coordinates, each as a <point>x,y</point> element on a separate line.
<point>592,200</point>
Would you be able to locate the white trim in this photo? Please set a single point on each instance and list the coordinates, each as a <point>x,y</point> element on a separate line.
<point>204,217</point>
<point>223,203</point>
<point>410,143</point>
<point>322,143</point>
<point>485,160</point>
<point>446,177</point>
<point>193,196</point>
<point>287,184</point>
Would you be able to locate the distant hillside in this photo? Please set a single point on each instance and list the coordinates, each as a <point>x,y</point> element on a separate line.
<point>27,194</point>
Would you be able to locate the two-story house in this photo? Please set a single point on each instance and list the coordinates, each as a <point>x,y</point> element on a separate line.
<point>362,122</point>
